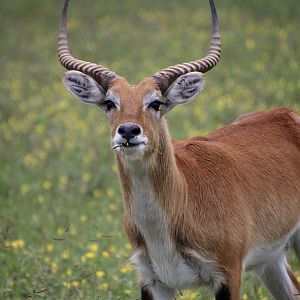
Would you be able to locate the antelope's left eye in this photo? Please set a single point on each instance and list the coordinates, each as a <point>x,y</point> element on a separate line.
<point>109,105</point>
<point>155,105</point>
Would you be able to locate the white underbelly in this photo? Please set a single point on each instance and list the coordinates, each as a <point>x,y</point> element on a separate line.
<point>267,254</point>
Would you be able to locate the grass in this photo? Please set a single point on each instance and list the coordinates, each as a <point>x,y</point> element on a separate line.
<point>61,210</point>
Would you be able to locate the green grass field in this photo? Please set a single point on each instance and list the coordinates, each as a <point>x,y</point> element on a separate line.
<point>61,210</point>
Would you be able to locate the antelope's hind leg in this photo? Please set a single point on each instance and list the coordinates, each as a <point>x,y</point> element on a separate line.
<point>276,278</point>
<point>296,290</point>
<point>296,243</point>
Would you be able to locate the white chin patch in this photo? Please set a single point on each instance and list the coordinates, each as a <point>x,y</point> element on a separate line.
<point>132,153</point>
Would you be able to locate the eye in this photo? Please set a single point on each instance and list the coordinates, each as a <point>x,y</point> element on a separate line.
<point>155,105</point>
<point>109,105</point>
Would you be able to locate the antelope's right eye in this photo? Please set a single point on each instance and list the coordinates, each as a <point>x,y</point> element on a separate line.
<point>109,105</point>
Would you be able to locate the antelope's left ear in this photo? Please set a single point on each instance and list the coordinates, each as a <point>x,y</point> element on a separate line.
<point>184,89</point>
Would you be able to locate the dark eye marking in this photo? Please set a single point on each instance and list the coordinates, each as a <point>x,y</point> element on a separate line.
<point>155,105</point>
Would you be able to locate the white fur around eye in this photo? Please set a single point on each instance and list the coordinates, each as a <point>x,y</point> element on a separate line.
<point>185,88</point>
<point>84,87</point>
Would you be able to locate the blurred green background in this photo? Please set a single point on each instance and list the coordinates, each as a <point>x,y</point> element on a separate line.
<point>61,210</point>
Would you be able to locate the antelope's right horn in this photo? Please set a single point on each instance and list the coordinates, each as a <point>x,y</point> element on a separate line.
<point>98,72</point>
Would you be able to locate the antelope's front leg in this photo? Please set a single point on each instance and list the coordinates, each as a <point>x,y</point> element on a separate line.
<point>223,293</point>
<point>231,289</point>
<point>145,293</point>
<point>157,291</point>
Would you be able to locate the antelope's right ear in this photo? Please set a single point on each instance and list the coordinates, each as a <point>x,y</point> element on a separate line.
<point>84,87</point>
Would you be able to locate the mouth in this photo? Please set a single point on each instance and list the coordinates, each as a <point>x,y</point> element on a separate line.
<point>127,145</point>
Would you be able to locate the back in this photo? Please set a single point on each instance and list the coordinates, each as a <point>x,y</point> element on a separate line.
<point>245,166</point>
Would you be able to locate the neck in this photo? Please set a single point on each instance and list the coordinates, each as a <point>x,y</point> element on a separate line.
<point>158,170</point>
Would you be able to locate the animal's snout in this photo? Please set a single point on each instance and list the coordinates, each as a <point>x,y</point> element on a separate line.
<point>129,131</point>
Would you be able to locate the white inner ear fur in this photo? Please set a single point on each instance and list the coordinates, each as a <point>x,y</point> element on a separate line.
<point>185,88</point>
<point>84,87</point>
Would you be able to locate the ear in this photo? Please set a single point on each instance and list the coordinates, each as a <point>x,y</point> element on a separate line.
<point>184,89</point>
<point>84,87</point>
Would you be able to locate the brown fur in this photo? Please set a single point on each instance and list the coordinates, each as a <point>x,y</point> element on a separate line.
<point>222,193</point>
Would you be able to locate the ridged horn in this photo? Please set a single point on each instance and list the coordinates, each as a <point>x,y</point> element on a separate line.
<point>98,72</point>
<point>167,76</point>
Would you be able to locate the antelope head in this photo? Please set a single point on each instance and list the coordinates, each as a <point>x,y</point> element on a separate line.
<point>136,112</point>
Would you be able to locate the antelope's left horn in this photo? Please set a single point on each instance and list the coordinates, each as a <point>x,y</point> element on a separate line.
<point>167,76</point>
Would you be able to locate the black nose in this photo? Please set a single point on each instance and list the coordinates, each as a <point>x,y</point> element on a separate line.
<point>129,131</point>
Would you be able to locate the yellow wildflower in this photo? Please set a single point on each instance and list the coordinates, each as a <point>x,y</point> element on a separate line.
<point>105,254</point>
<point>17,244</point>
<point>100,274</point>
<point>90,255</point>
<point>40,129</point>
<point>127,292</point>
<point>250,44</point>
<point>41,198</point>
<point>104,286</point>
<point>113,206</point>
<point>97,193</point>
<point>24,189</point>
<point>49,247</point>
<point>30,160</point>
<point>114,168</point>
<point>65,254</point>
<point>109,217</point>
<point>93,247</point>
<point>86,177</point>
<point>42,155</point>
<point>47,184</point>
<point>47,144</point>
<point>69,272</point>
<point>6,243</point>
<point>110,192</point>
<point>75,283</point>
<point>73,230</point>
<point>60,231</point>
<point>53,267</point>
<point>126,269</point>
<point>112,249</point>
<point>63,182</point>
<point>47,260</point>
<point>128,246</point>
<point>83,218</point>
